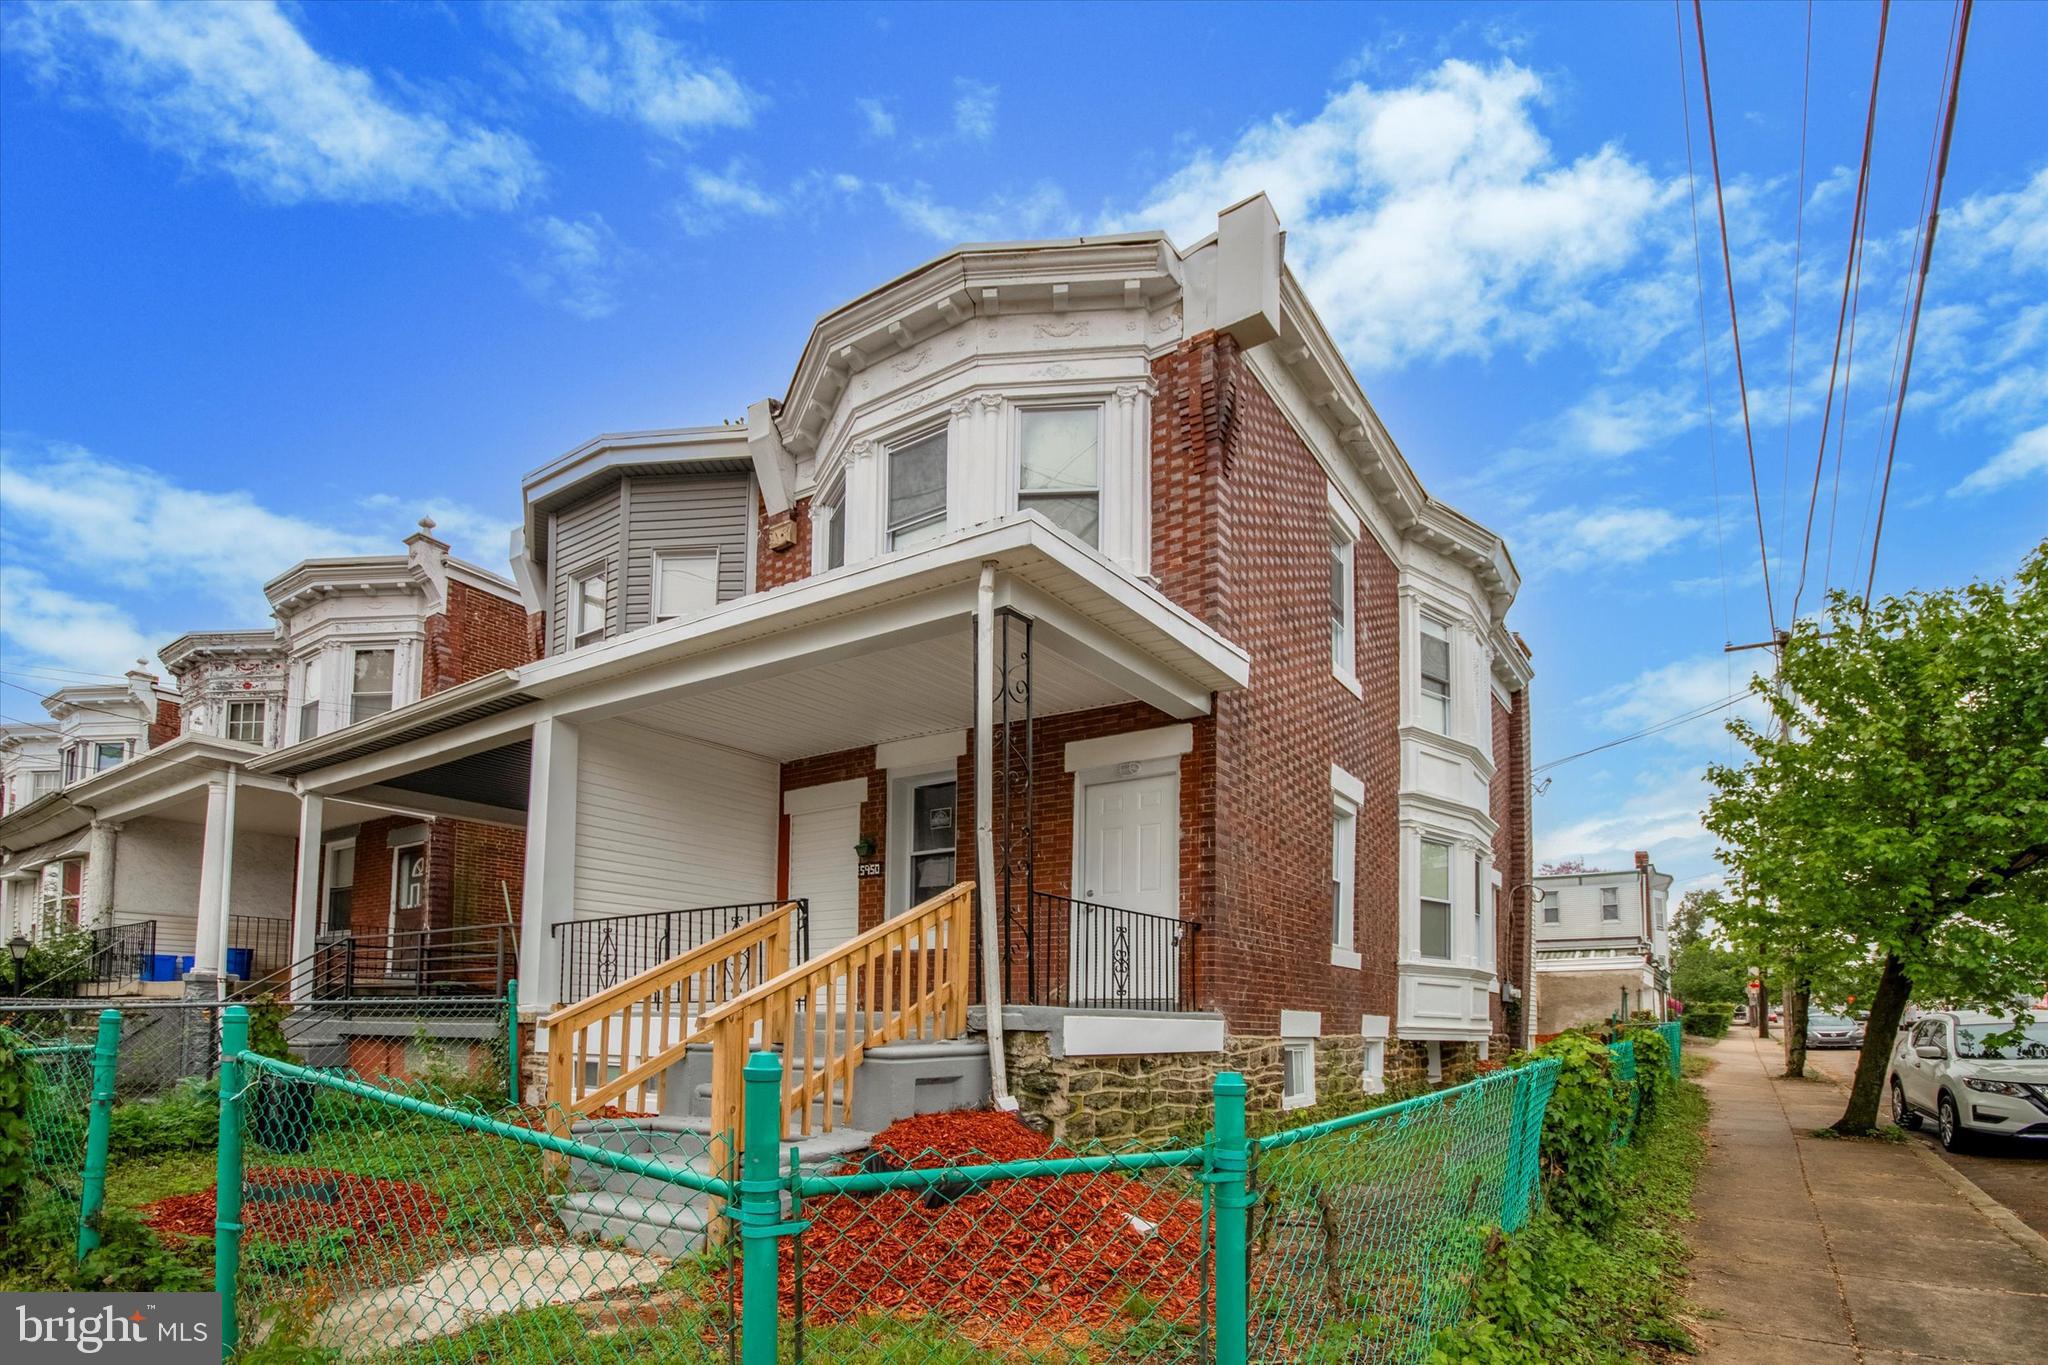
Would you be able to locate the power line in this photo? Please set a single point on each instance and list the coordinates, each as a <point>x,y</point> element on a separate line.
<point>1672,723</point>
<point>1734,325</point>
<point>1948,129</point>
<point>1792,344</point>
<point>1852,270</point>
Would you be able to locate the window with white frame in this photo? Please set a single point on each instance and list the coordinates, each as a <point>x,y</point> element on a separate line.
<point>1343,612</point>
<point>309,710</point>
<point>409,878</point>
<point>107,755</point>
<point>1436,675</point>
<point>370,679</point>
<point>1343,861</point>
<point>1059,468</point>
<point>1478,909</point>
<point>685,583</point>
<point>832,511</point>
<point>1373,1079</point>
<point>1550,908</point>
<point>1435,941</point>
<point>929,864</point>
<point>245,721</point>
<point>590,608</point>
<point>1297,1073</point>
<point>1610,905</point>
<point>341,887</point>
<point>917,491</point>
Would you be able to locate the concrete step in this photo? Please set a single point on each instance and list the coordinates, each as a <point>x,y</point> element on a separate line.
<point>656,1227</point>
<point>684,1144</point>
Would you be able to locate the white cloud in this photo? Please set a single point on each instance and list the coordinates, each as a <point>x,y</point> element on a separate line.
<point>880,122</point>
<point>577,268</point>
<point>1433,220</point>
<point>1668,690</point>
<point>2025,457</point>
<point>44,625</point>
<point>714,198</point>
<point>974,109</point>
<point>1573,538</point>
<point>614,60</point>
<point>236,88</point>
<point>1614,421</point>
<point>1042,211</point>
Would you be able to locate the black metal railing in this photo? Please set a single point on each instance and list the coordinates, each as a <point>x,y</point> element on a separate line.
<point>1098,956</point>
<point>597,954</point>
<point>470,959</point>
<point>121,953</point>
<point>266,939</point>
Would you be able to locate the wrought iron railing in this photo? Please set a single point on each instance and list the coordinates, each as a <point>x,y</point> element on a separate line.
<point>470,959</point>
<point>1091,955</point>
<point>267,939</point>
<point>597,954</point>
<point>121,953</point>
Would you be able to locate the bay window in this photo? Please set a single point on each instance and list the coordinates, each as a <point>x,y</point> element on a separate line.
<point>833,511</point>
<point>370,681</point>
<point>1436,900</point>
<point>1436,676</point>
<point>917,492</point>
<point>1059,468</point>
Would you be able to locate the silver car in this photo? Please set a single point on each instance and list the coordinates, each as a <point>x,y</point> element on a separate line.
<point>1947,1066</point>
<point>1833,1030</point>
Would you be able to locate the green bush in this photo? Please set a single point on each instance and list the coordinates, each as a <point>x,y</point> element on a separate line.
<point>1708,1018</point>
<point>1653,1071</point>
<point>15,1135</point>
<point>1586,1111</point>
<point>186,1120</point>
<point>56,963</point>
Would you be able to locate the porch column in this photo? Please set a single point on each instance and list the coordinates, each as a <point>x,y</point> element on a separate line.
<point>98,910</point>
<point>213,851</point>
<point>549,894</point>
<point>992,963</point>
<point>306,889</point>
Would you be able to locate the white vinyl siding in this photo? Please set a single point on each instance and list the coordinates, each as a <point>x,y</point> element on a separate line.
<point>669,824</point>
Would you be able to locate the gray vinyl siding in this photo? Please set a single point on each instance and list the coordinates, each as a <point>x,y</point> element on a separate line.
<point>585,533</point>
<point>683,514</point>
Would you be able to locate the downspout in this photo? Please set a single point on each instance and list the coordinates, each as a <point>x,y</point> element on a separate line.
<point>984,829</point>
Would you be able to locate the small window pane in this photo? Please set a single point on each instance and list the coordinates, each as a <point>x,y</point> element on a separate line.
<point>245,721</point>
<point>1436,871</point>
<point>1436,930</point>
<point>370,693</point>
<point>591,595</point>
<point>686,583</point>
<point>108,756</point>
<point>1059,448</point>
<point>917,492</point>
<point>835,528</point>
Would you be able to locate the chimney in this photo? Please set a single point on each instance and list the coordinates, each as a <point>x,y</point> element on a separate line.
<point>1642,861</point>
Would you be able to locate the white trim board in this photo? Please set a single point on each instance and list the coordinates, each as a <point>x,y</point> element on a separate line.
<point>826,796</point>
<point>1128,1035</point>
<point>1166,741</point>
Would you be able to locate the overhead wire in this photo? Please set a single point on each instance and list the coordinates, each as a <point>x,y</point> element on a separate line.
<point>1734,323</point>
<point>1792,341</point>
<point>1948,129</point>
<point>1670,723</point>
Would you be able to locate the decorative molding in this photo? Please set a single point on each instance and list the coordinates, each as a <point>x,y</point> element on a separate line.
<point>1072,327</point>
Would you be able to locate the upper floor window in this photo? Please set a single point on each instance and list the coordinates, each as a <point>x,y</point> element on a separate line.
<point>1436,676</point>
<point>833,506</point>
<point>309,713</point>
<point>1610,905</point>
<point>685,583</point>
<point>1343,860</point>
<point>370,684</point>
<point>1436,900</point>
<point>589,610</point>
<point>1343,647</point>
<point>1550,910</point>
<point>1059,468</point>
<point>245,721</point>
<point>917,491</point>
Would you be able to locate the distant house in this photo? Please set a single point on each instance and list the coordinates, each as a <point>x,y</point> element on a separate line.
<point>136,815</point>
<point>1603,943</point>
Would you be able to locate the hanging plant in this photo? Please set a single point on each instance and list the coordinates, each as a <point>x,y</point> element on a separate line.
<point>865,846</point>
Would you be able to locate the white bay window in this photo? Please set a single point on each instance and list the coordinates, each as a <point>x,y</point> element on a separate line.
<point>916,492</point>
<point>1435,882</point>
<point>1059,468</point>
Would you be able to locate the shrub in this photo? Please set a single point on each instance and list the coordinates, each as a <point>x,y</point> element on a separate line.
<point>15,1135</point>
<point>1586,1110</point>
<point>1653,1071</point>
<point>186,1120</point>
<point>1708,1019</point>
<point>57,963</point>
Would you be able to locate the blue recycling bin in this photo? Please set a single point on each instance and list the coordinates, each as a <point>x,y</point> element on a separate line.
<point>160,967</point>
<point>240,960</point>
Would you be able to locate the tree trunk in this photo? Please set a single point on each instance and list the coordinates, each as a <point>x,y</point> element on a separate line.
<point>1880,1035</point>
<point>1763,1005</point>
<point>1798,994</point>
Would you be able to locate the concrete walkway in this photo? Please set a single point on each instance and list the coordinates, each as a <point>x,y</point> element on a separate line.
<point>1821,1251</point>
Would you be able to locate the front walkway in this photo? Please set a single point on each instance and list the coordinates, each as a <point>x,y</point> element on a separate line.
<point>1821,1251</point>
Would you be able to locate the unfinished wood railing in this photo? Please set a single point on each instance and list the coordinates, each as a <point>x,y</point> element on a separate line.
<point>643,1024</point>
<point>905,980</point>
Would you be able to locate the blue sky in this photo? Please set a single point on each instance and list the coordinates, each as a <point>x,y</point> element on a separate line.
<point>278,281</point>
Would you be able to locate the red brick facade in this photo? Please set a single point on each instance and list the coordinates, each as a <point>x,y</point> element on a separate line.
<point>475,633</point>
<point>168,725</point>
<point>777,567</point>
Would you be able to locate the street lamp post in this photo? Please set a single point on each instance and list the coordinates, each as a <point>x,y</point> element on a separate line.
<point>17,948</point>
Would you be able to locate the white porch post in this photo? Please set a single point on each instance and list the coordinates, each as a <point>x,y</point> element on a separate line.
<point>207,925</point>
<point>227,865</point>
<point>984,832</point>
<point>98,910</point>
<point>306,889</point>
<point>549,894</point>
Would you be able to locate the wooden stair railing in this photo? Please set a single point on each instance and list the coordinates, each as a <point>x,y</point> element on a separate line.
<point>655,1016</point>
<point>904,980</point>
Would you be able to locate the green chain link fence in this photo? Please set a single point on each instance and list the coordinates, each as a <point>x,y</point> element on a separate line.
<point>1674,1043</point>
<point>1624,1054</point>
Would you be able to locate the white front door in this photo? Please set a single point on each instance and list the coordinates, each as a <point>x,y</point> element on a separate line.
<point>1129,862</point>
<point>825,869</point>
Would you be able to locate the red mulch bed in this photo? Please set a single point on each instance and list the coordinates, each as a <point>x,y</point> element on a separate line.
<point>307,1202</point>
<point>1027,1263</point>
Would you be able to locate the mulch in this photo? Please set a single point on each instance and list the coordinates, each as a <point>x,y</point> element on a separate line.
<point>292,1205</point>
<point>1028,1263</point>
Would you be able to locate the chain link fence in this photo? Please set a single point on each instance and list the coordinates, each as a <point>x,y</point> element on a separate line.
<point>59,1090</point>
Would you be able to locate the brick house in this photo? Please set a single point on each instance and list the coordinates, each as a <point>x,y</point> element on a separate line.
<point>182,859</point>
<point>1080,570</point>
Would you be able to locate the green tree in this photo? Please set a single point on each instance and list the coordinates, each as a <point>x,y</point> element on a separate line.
<point>1697,911</point>
<point>1706,971</point>
<point>1898,810</point>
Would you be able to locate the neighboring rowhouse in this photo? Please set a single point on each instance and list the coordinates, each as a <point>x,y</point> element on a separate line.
<point>1603,943</point>
<point>160,840</point>
<point>1257,732</point>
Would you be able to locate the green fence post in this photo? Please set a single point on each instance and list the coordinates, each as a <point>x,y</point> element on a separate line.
<point>512,1040</point>
<point>1230,1166</point>
<point>760,1209</point>
<point>227,1193</point>
<point>106,1056</point>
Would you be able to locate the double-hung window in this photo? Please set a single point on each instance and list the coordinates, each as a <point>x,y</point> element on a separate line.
<point>833,509</point>
<point>1436,676</point>
<point>109,755</point>
<point>685,583</point>
<point>244,723</point>
<point>1610,905</point>
<point>1436,900</point>
<point>370,684</point>
<point>590,608</point>
<point>1059,468</point>
<point>1343,609</point>
<point>917,491</point>
<point>1550,909</point>
<point>1297,1073</point>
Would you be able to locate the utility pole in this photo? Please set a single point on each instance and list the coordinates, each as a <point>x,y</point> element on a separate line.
<point>1796,989</point>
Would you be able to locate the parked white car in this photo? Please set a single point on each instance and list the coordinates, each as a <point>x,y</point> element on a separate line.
<point>1943,1068</point>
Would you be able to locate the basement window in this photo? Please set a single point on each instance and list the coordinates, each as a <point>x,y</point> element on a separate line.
<point>1297,1073</point>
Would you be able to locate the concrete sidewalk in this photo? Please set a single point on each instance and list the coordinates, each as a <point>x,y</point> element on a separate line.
<point>1820,1251</point>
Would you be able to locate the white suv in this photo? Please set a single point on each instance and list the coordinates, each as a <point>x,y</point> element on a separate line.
<point>1943,1067</point>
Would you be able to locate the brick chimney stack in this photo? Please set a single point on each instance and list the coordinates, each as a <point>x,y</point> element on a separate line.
<point>1642,860</point>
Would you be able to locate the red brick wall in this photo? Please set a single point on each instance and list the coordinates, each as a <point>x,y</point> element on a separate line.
<point>168,725</point>
<point>476,633</point>
<point>1516,848</point>
<point>777,567</point>
<point>466,862</point>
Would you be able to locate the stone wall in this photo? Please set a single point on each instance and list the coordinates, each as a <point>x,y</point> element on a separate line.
<point>1567,999</point>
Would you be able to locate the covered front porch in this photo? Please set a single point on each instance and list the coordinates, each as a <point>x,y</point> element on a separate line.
<point>1003,707</point>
